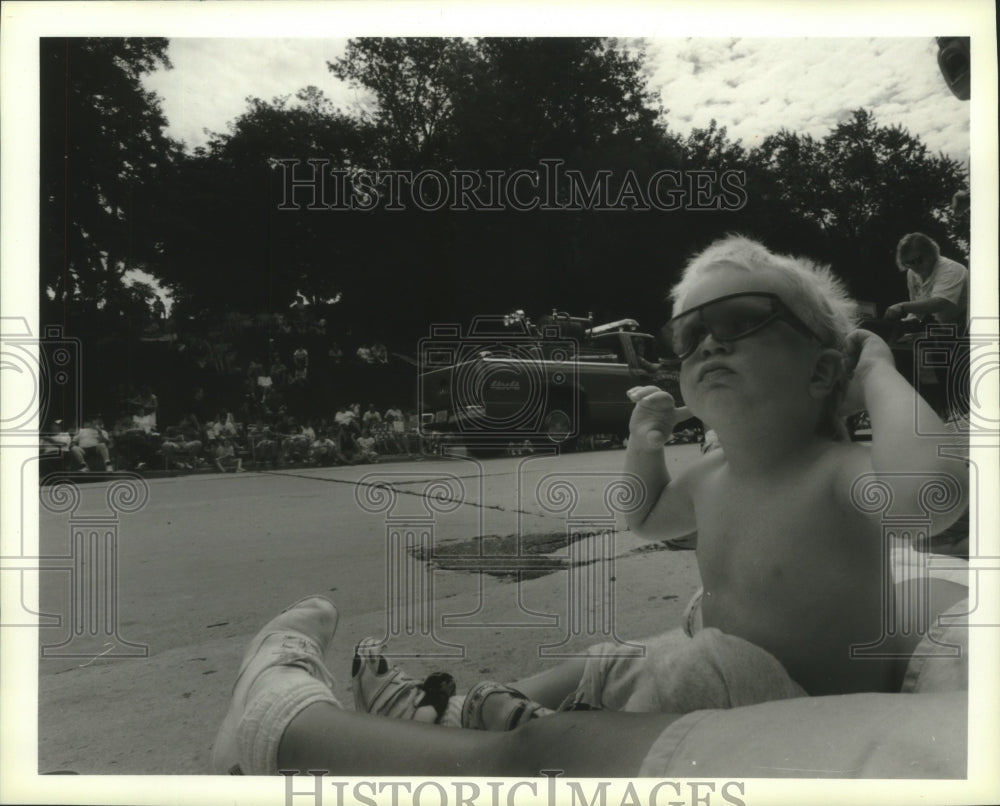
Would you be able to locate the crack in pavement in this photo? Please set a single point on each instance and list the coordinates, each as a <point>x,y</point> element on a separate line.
<point>461,501</point>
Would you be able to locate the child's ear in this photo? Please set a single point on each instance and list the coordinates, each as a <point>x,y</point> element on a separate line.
<point>827,373</point>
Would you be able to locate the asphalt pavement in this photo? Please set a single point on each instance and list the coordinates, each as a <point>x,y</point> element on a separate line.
<point>153,588</point>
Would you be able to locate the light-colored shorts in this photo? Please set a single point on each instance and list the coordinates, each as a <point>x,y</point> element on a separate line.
<point>918,733</point>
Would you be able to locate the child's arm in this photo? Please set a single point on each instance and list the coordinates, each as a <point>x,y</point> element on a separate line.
<point>900,456</point>
<point>666,509</point>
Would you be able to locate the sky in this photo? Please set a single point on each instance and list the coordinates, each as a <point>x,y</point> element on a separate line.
<point>752,86</point>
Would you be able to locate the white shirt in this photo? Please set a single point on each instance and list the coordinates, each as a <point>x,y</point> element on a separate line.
<point>948,280</point>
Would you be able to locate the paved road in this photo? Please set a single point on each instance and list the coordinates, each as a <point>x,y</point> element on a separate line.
<point>208,558</point>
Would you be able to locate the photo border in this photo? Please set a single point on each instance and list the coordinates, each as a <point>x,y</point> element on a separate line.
<point>24,22</point>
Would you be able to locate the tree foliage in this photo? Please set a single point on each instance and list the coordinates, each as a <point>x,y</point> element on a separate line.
<point>228,246</point>
<point>212,226</point>
<point>860,189</point>
<point>103,156</point>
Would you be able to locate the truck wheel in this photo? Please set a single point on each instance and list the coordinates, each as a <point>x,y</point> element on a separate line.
<point>558,428</point>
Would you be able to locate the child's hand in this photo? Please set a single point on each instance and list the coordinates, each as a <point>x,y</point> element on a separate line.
<point>654,416</point>
<point>865,352</point>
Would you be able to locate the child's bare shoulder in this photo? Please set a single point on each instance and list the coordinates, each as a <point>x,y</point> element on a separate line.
<point>702,471</point>
<point>850,465</point>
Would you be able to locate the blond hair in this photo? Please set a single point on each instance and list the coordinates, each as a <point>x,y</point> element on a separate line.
<point>815,294</point>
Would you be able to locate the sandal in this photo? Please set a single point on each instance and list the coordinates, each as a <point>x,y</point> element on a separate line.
<point>391,692</point>
<point>523,711</point>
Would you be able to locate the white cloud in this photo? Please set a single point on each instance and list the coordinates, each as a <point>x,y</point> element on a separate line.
<point>212,78</point>
<point>754,87</point>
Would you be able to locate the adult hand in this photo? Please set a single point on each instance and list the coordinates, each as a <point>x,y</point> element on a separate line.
<point>654,416</point>
<point>894,311</point>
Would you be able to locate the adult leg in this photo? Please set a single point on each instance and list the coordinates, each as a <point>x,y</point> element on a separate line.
<point>104,454</point>
<point>580,744</point>
<point>283,715</point>
<point>79,460</point>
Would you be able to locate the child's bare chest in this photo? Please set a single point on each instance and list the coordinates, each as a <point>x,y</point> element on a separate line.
<point>763,530</point>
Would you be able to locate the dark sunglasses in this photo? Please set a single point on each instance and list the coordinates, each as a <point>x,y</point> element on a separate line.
<point>729,318</point>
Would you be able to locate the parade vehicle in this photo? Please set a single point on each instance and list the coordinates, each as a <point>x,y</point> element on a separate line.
<point>508,380</point>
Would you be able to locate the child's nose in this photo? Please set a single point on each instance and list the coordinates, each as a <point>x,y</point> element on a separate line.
<point>710,344</point>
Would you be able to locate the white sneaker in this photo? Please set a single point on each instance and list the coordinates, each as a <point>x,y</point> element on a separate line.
<point>298,637</point>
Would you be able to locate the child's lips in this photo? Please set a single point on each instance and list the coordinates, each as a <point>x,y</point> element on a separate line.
<point>713,370</point>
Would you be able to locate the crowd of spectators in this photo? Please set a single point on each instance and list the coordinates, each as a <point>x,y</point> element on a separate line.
<point>251,392</point>
<point>222,443</point>
<point>259,393</point>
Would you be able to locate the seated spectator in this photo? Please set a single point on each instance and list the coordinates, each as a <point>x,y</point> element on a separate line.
<point>224,426</point>
<point>55,441</point>
<point>395,423</point>
<point>379,353</point>
<point>182,445</point>
<point>265,446</point>
<point>279,373</point>
<point>371,418</point>
<point>262,377</point>
<point>416,442</point>
<point>324,451</point>
<point>365,355</point>
<point>145,407</point>
<point>347,443</point>
<point>224,457</point>
<point>335,354</point>
<point>386,440</point>
<point>135,447</point>
<point>343,417</point>
<point>297,440</point>
<point>366,445</point>
<point>91,441</point>
<point>254,370</point>
<point>300,364</point>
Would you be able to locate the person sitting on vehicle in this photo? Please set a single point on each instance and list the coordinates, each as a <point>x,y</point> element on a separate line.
<point>939,295</point>
<point>938,286</point>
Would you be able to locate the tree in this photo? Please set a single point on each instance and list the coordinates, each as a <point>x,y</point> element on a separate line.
<point>498,102</point>
<point>504,105</point>
<point>860,189</point>
<point>414,81</point>
<point>228,244</point>
<point>103,153</point>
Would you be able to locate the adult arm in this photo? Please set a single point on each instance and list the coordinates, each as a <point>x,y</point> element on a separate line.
<point>921,307</point>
